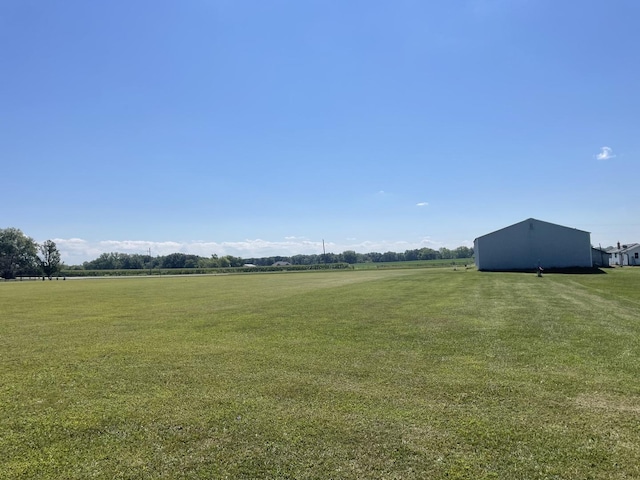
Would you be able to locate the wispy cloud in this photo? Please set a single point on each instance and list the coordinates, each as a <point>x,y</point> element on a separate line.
<point>606,153</point>
<point>422,204</point>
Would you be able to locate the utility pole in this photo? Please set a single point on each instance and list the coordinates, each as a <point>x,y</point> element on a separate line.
<point>324,253</point>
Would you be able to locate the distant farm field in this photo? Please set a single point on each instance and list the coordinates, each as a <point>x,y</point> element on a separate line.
<point>405,374</point>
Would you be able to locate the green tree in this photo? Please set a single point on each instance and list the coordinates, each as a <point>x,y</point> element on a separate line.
<point>375,256</point>
<point>132,262</point>
<point>49,258</point>
<point>463,252</point>
<point>331,258</point>
<point>174,260</point>
<point>191,261</point>
<point>389,257</point>
<point>18,253</point>
<point>214,261</point>
<point>410,255</point>
<point>350,256</point>
<point>106,261</point>
<point>428,254</point>
<point>238,262</point>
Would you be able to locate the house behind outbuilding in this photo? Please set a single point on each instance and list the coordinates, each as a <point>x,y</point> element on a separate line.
<point>625,255</point>
<point>532,243</point>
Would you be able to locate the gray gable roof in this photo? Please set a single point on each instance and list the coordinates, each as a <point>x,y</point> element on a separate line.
<point>630,246</point>
<point>532,220</point>
<point>624,248</point>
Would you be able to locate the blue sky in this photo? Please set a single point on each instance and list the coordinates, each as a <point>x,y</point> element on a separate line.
<point>258,128</point>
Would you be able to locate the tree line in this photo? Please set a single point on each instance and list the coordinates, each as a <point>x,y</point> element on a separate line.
<point>20,255</point>
<point>124,261</point>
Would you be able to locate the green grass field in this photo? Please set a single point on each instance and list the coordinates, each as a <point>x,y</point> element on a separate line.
<point>394,374</point>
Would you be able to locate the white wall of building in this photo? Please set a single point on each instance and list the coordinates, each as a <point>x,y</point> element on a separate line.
<point>633,255</point>
<point>525,245</point>
<point>615,258</point>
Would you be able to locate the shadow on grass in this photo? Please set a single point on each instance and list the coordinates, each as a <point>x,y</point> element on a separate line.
<point>578,271</point>
<point>569,270</point>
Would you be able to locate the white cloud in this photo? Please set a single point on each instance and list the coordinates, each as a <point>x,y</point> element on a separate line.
<point>422,204</point>
<point>75,251</point>
<point>606,153</point>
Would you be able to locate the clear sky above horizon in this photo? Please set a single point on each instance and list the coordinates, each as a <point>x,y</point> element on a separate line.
<point>259,128</point>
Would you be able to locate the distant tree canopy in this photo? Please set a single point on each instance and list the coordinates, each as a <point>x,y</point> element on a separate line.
<point>124,261</point>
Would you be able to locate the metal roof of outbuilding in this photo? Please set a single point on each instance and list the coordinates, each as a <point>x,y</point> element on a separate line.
<point>529,220</point>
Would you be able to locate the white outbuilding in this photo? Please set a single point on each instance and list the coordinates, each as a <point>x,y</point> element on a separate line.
<point>625,255</point>
<point>532,243</point>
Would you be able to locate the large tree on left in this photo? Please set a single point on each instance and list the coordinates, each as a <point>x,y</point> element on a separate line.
<point>18,253</point>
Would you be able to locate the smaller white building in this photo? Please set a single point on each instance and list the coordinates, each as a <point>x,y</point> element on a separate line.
<point>625,255</point>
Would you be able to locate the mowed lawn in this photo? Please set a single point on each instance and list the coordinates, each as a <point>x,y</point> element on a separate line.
<point>423,373</point>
